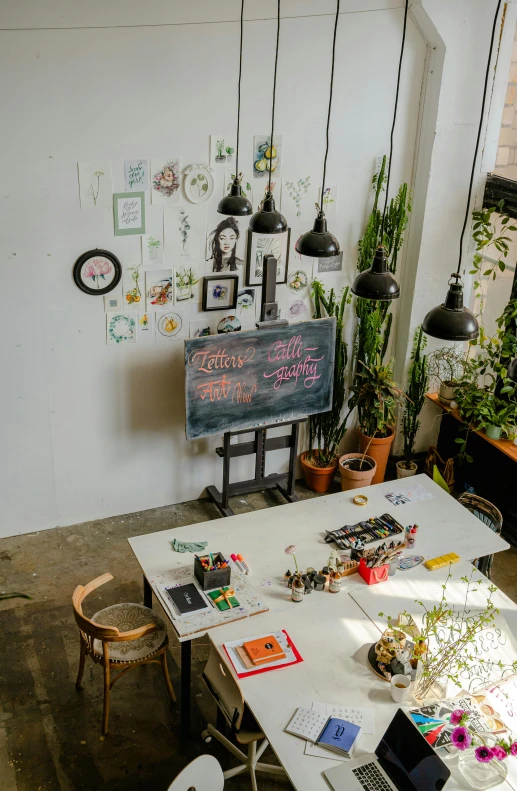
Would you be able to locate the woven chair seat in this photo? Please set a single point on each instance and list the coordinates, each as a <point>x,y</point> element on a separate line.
<point>126,617</point>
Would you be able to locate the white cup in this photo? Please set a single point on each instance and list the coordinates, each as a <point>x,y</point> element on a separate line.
<point>400,687</point>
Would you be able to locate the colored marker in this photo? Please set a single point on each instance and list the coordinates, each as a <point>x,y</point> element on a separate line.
<point>237,563</point>
<point>243,562</point>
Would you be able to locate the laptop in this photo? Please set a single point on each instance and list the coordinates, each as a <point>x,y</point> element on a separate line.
<point>403,761</point>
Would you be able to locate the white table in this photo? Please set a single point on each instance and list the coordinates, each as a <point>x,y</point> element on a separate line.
<point>261,537</point>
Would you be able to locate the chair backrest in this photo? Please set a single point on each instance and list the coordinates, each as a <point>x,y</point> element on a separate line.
<point>224,688</point>
<point>202,774</point>
<point>484,510</point>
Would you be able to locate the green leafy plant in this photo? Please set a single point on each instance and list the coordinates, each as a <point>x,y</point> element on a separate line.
<point>247,185</point>
<point>486,238</point>
<point>418,382</point>
<point>186,277</point>
<point>449,365</point>
<point>220,149</point>
<point>229,150</point>
<point>376,396</point>
<point>327,429</point>
<point>5,595</point>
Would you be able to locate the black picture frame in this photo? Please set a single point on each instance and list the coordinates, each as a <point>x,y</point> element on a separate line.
<point>207,279</point>
<point>252,281</point>
<point>83,259</point>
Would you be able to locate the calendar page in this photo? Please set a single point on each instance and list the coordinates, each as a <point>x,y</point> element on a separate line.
<point>307,723</point>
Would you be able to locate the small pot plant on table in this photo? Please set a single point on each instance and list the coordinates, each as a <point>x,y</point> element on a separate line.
<point>418,382</point>
<point>448,366</point>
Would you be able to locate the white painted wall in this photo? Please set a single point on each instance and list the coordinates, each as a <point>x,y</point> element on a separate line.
<point>90,430</point>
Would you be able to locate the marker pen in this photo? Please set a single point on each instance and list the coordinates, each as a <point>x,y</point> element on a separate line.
<point>237,563</point>
<point>243,562</point>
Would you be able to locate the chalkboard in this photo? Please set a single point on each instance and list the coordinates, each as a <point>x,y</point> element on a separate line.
<point>248,379</point>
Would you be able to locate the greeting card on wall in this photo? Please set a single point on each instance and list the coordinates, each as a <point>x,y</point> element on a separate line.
<point>329,201</point>
<point>146,327</point>
<point>129,213</point>
<point>186,284</point>
<point>152,249</point>
<point>95,185</point>
<point>260,245</point>
<point>170,326</point>
<point>165,180</point>
<point>121,328</point>
<point>267,157</point>
<point>222,150</point>
<point>137,174</point>
<point>226,240</point>
<point>185,233</point>
<point>158,289</point>
<point>298,199</point>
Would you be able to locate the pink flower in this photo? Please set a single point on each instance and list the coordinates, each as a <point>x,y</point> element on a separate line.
<point>290,550</point>
<point>484,754</point>
<point>90,270</point>
<point>456,716</point>
<point>499,752</point>
<point>461,738</point>
<point>102,265</point>
<point>513,748</point>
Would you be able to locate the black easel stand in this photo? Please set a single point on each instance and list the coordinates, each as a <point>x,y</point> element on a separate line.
<point>284,481</point>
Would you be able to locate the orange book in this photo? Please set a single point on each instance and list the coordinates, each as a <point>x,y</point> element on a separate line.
<point>266,649</point>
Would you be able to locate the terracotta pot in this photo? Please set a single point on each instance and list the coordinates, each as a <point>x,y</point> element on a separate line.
<point>379,449</point>
<point>403,472</point>
<point>319,479</point>
<point>446,393</point>
<point>356,479</point>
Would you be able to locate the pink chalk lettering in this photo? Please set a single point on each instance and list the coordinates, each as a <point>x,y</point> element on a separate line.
<point>308,370</point>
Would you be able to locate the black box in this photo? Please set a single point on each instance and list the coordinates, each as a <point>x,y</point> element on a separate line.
<point>218,578</point>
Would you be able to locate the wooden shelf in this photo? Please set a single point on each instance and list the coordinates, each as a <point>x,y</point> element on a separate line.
<point>506,446</point>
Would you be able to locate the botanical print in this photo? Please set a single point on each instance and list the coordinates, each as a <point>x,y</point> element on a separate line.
<point>186,284</point>
<point>221,150</point>
<point>121,328</point>
<point>296,190</point>
<point>219,293</point>
<point>267,157</point>
<point>129,213</point>
<point>165,180</point>
<point>299,199</point>
<point>298,309</point>
<point>152,250</point>
<point>98,272</point>
<point>170,325</point>
<point>297,281</point>
<point>200,329</point>
<point>225,244</point>
<point>146,326</point>
<point>229,324</point>
<point>246,185</point>
<point>185,232</point>
<point>260,245</point>
<point>132,291</point>
<point>95,185</point>
<point>199,183</point>
<point>137,174</point>
<point>246,302</point>
<point>333,265</point>
<point>113,302</point>
<point>329,201</point>
<point>158,289</point>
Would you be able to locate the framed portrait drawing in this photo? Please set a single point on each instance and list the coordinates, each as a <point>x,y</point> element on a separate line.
<point>260,245</point>
<point>220,292</point>
<point>97,272</point>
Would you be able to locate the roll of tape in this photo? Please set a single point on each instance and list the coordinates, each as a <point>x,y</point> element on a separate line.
<point>360,499</point>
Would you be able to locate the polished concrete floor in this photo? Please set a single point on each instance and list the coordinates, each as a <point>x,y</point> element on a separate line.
<point>50,735</point>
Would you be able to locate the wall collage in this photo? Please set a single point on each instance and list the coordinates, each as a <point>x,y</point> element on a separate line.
<point>198,257</point>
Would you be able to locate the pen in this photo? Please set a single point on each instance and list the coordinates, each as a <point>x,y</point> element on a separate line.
<point>238,563</point>
<point>243,562</point>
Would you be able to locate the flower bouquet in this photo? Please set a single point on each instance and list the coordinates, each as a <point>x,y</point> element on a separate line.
<point>482,756</point>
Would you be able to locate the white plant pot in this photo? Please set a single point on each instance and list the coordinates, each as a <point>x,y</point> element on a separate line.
<point>402,472</point>
<point>183,292</point>
<point>446,393</point>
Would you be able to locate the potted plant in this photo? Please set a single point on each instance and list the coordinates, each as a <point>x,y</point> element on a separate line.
<point>185,279</point>
<point>482,410</point>
<point>449,366</point>
<point>220,156</point>
<point>418,382</point>
<point>356,470</point>
<point>326,430</point>
<point>229,153</point>
<point>153,245</point>
<point>376,396</point>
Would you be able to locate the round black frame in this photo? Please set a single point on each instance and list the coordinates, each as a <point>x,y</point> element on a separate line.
<point>91,254</point>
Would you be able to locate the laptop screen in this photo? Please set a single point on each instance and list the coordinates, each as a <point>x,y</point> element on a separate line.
<point>408,760</point>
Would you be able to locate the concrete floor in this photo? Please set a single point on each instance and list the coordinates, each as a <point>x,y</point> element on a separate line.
<point>50,735</point>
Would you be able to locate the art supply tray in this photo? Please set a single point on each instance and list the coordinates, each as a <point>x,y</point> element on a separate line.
<point>374,529</point>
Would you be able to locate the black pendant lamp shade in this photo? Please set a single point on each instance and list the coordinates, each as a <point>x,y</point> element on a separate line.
<point>235,204</point>
<point>318,243</point>
<point>267,219</point>
<point>451,321</point>
<point>512,370</point>
<point>377,282</point>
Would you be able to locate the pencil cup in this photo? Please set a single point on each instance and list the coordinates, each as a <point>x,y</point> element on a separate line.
<point>218,578</point>
<point>375,575</point>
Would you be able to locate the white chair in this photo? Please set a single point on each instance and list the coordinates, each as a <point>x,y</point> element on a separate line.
<point>202,774</point>
<point>227,694</point>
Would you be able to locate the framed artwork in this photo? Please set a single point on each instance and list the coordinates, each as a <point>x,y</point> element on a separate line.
<point>198,183</point>
<point>258,246</point>
<point>97,272</point>
<point>129,213</point>
<point>220,292</point>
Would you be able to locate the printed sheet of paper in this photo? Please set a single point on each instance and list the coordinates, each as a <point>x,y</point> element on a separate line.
<point>137,174</point>
<point>95,185</point>
<point>408,493</point>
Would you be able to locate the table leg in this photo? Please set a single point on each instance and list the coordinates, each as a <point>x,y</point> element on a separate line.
<point>185,687</point>
<point>148,594</point>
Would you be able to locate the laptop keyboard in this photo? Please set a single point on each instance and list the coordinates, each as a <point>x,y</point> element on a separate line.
<point>371,779</point>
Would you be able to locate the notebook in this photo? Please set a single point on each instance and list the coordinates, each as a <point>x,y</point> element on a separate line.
<point>265,649</point>
<point>187,599</point>
<point>334,733</point>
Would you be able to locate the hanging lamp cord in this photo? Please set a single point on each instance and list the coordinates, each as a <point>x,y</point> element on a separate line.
<point>239,96</point>
<point>394,119</point>
<point>274,90</point>
<point>330,105</point>
<point>487,75</point>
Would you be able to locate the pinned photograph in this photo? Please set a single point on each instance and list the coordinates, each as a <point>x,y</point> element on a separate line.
<point>113,303</point>
<point>132,288</point>
<point>260,245</point>
<point>165,180</point>
<point>298,199</point>
<point>298,281</point>
<point>229,324</point>
<point>158,289</point>
<point>220,292</point>
<point>95,185</point>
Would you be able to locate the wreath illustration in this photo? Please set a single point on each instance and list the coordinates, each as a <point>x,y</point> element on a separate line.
<point>167,179</point>
<point>122,328</point>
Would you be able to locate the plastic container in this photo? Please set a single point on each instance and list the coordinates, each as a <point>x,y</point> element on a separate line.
<point>375,575</point>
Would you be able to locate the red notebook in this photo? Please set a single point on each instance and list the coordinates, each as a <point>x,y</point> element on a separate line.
<point>266,668</point>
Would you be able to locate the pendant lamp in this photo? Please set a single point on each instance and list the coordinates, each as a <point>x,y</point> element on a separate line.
<point>451,321</point>
<point>319,243</point>
<point>512,370</point>
<point>267,219</point>
<point>235,204</point>
<point>377,282</point>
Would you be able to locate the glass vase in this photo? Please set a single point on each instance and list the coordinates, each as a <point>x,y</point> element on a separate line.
<point>479,775</point>
<point>428,690</point>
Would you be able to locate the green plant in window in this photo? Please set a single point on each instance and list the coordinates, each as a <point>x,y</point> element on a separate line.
<point>418,382</point>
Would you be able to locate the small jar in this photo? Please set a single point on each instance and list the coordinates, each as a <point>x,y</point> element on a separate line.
<point>335,582</point>
<point>287,577</point>
<point>319,582</point>
<point>393,567</point>
<point>298,589</point>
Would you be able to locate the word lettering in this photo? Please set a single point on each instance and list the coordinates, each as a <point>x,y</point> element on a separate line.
<point>242,394</point>
<point>207,361</point>
<point>308,370</point>
<point>136,174</point>
<point>130,212</point>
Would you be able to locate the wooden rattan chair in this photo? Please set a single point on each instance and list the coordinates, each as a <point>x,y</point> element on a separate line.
<point>492,518</point>
<point>119,638</point>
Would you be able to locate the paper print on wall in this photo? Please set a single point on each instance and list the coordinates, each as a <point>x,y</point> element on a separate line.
<point>169,325</point>
<point>222,150</point>
<point>198,183</point>
<point>246,307</point>
<point>329,201</point>
<point>121,328</point>
<point>158,289</point>
<point>114,303</point>
<point>298,282</point>
<point>229,324</point>
<point>200,329</point>
<point>226,244</point>
<point>152,250</point>
<point>298,309</point>
<point>97,272</point>
<point>132,289</point>
<point>267,157</point>
<point>137,174</point>
<point>186,284</point>
<point>260,245</point>
<point>185,233</point>
<point>95,185</point>
<point>129,213</point>
<point>328,266</point>
<point>246,184</point>
<point>146,327</point>
<point>298,199</point>
<point>165,180</point>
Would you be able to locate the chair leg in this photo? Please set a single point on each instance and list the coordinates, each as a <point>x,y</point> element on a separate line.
<point>106,712</point>
<point>163,662</point>
<point>82,658</point>
<point>252,760</point>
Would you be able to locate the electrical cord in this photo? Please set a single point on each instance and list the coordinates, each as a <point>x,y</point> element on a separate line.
<point>239,96</point>
<point>330,103</point>
<point>274,91</point>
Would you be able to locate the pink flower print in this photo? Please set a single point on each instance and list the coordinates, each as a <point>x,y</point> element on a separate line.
<point>103,266</point>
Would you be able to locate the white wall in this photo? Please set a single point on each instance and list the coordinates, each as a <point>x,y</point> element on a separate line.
<point>90,430</point>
